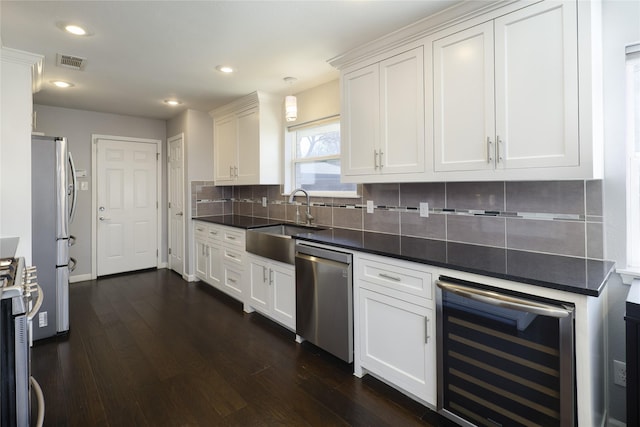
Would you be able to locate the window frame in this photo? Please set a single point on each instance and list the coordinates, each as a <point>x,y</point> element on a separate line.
<point>291,160</point>
<point>632,65</point>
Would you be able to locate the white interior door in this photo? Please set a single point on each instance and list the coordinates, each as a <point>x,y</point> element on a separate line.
<point>127,206</point>
<point>176,205</point>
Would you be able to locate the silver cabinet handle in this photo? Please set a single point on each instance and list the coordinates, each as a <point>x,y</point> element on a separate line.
<point>505,301</point>
<point>179,214</point>
<point>232,256</point>
<point>231,238</point>
<point>199,229</point>
<point>264,274</point>
<point>390,277</point>
<point>380,153</point>
<point>235,171</point>
<point>426,330</point>
<point>231,171</point>
<point>499,151</point>
<point>231,280</point>
<point>375,159</point>
<point>270,276</point>
<point>489,150</point>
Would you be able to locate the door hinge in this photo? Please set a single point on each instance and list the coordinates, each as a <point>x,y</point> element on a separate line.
<point>157,156</point>
<point>169,205</point>
<point>169,251</point>
<point>157,253</point>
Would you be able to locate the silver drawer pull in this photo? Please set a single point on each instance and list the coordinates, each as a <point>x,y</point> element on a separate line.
<point>200,229</point>
<point>232,256</point>
<point>390,277</point>
<point>231,238</point>
<point>231,280</point>
<point>426,330</point>
<point>213,232</point>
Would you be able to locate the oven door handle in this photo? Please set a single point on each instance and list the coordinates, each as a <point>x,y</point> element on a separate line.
<point>36,305</point>
<point>504,301</point>
<point>40,398</point>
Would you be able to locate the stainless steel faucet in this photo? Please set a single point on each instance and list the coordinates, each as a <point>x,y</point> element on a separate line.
<point>308,213</point>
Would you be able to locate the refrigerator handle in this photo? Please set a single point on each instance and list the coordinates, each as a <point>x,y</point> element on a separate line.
<point>72,240</point>
<point>73,190</point>
<point>73,264</point>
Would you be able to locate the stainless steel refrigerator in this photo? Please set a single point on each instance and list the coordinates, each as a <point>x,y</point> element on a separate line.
<point>53,202</point>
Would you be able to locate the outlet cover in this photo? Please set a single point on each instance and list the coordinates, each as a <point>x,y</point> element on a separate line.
<point>424,209</point>
<point>620,373</point>
<point>369,206</point>
<point>264,202</point>
<point>42,319</point>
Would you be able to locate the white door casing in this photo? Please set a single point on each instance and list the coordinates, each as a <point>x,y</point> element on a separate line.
<point>176,204</point>
<point>125,199</point>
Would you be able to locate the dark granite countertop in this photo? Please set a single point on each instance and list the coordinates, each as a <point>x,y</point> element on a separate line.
<point>570,274</point>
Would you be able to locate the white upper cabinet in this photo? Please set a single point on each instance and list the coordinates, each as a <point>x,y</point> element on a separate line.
<point>510,91</point>
<point>463,99</point>
<point>536,69</point>
<point>383,119</point>
<point>248,140</point>
<point>506,92</point>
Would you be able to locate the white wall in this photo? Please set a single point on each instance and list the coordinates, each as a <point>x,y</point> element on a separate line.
<point>621,26</point>
<point>78,126</point>
<point>15,146</point>
<point>197,127</point>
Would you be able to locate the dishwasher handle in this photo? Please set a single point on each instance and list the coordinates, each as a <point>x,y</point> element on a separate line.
<point>341,257</point>
<point>504,301</point>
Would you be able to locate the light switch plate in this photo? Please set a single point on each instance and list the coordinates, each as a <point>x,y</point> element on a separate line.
<point>84,186</point>
<point>264,202</point>
<point>369,206</point>
<point>424,209</point>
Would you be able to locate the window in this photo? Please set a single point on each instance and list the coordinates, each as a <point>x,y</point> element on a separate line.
<point>633,145</point>
<point>315,160</point>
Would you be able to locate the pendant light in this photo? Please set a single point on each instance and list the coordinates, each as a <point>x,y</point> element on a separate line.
<point>290,103</point>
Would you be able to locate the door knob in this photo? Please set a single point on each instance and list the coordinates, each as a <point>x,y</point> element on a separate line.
<point>101,208</point>
<point>104,219</point>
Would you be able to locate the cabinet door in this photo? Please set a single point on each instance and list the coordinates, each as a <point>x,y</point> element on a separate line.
<point>202,259</point>
<point>360,121</point>
<point>248,162</point>
<point>397,342</point>
<point>259,284</point>
<point>214,270</point>
<point>463,104</point>
<point>283,287</point>
<point>225,148</point>
<point>402,142</point>
<point>537,86</point>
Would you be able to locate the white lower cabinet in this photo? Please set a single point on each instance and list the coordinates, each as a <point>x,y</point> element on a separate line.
<point>220,257</point>
<point>272,290</point>
<point>395,328</point>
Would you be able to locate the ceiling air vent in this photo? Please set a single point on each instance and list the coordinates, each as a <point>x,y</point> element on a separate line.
<point>70,61</point>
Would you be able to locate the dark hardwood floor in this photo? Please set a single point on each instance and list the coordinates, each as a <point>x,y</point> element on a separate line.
<point>149,349</point>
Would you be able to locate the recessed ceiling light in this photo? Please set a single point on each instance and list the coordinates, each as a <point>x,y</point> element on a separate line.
<point>172,102</point>
<point>61,83</point>
<point>224,69</point>
<point>75,30</point>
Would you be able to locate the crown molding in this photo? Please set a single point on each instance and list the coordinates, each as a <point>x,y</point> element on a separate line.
<point>453,15</point>
<point>27,59</point>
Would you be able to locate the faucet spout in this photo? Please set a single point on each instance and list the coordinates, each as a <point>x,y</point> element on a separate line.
<point>309,217</point>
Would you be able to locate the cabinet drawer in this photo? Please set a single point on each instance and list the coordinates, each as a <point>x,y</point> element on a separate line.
<point>233,256</point>
<point>200,230</point>
<point>233,237</point>
<point>232,282</point>
<point>214,233</point>
<point>397,275</point>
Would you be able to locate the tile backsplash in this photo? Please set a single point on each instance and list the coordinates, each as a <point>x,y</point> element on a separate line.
<point>558,217</point>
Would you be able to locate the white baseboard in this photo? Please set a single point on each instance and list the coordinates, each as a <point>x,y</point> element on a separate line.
<point>79,278</point>
<point>163,265</point>
<point>190,277</point>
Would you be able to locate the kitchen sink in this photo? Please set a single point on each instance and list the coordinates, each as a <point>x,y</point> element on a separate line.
<point>276,241</point>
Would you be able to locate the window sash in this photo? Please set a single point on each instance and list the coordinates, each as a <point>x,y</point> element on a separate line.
<point>633,150</point>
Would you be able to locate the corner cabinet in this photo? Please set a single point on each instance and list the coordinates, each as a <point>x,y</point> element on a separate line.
<point>272,290</point>
<point>382,124</point>
<point>505,91</point>
<point>248,140</point>
<point>394,323</point>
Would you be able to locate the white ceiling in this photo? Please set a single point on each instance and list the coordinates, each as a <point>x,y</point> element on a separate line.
<point>143,52</point>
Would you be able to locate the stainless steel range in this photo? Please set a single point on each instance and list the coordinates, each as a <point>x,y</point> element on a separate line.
<point>20,300</point>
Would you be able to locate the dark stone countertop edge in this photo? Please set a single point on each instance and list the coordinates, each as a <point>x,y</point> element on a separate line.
<point>247,222</point>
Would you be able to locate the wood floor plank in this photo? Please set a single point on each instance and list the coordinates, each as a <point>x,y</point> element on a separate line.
<point>149,349</point>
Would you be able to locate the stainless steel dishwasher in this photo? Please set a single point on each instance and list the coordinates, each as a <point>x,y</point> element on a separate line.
<point>324,299</point>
